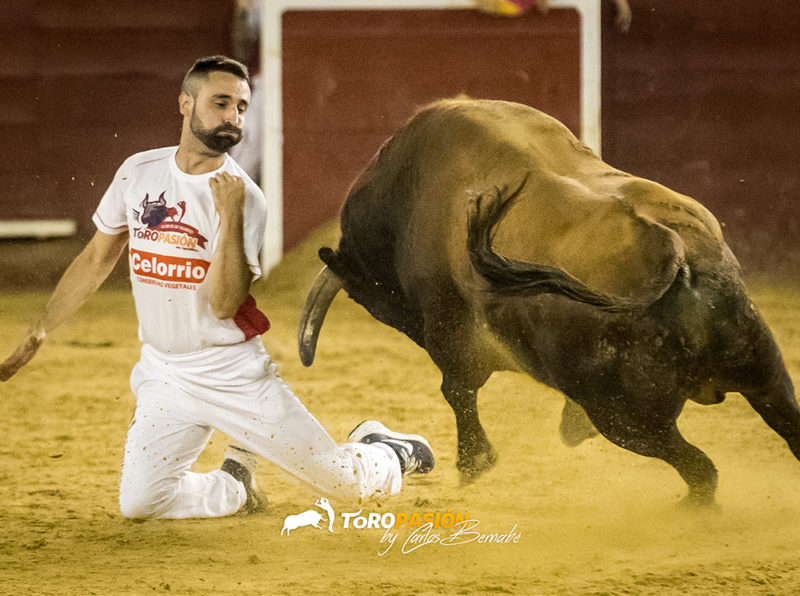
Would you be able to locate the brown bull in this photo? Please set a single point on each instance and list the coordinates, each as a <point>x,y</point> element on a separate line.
<point>487,233</point>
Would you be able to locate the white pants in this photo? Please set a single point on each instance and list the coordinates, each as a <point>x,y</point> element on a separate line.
<point>235,389</point>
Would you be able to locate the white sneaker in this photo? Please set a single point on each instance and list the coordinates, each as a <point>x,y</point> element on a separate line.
<point>413,451</point>
<point>241,464</point>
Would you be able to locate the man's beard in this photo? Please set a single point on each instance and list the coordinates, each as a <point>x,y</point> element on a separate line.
<point>212,138</point>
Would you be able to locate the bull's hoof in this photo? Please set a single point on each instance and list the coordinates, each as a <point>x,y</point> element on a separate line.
<point>575,431</point>
<point>472,470</point>
<point>699,501</point>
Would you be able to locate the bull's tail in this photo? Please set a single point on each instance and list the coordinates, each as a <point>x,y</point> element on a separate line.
<point>517,278</point>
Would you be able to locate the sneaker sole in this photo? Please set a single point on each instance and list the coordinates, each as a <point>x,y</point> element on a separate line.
<point>373,427</point>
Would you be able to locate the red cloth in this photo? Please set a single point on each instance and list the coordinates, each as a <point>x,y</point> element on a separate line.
<point>250,320</point>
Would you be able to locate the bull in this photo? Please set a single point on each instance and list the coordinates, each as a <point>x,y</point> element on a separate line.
<point>493,238</point>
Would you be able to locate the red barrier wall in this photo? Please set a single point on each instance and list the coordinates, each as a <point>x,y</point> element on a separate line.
<point>351,78</point>
<point>703,97</point>
<point>700,96</point>
<point>84,84</point>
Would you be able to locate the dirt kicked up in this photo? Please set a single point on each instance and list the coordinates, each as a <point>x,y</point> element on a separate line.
<point>546,520</point>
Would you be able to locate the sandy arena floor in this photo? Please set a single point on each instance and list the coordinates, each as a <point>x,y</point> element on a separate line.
<point>590,520</point>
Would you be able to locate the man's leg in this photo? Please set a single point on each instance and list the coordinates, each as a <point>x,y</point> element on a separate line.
<point>268,419</point>
<point>163,442</point>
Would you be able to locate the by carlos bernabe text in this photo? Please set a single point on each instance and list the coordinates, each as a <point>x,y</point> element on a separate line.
<point>426,529</point>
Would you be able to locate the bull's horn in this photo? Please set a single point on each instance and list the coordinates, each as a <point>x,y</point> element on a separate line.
<point>324,290</point>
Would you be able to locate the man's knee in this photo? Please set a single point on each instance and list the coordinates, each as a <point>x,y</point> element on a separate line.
<point>144,500</point>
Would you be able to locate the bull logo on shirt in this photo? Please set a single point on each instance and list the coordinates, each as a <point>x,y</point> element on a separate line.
<point>163,223</point>
<point>155,212</point>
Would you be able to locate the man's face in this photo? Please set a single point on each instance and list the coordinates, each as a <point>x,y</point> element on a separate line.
<point>217,110</point>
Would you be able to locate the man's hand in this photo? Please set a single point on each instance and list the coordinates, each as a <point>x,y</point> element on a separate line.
<point>228,193</point>
<point>229,275</point>
<point>79,281</point>
<point>26,350</point>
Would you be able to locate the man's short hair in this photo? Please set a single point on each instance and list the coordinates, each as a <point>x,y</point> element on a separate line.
<point>205,66</point>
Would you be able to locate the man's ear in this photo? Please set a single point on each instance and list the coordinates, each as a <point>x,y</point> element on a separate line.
<point>185,103</point>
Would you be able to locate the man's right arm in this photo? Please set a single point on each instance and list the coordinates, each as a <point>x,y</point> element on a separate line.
<point>81,279</point>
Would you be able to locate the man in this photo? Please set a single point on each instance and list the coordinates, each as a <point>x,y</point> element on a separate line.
<point>194,224</point>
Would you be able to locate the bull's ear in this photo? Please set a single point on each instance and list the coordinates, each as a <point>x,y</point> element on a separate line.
<point>146,198</point>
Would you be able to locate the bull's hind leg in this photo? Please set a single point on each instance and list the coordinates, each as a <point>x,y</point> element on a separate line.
<point>765,383</point>
<point>475,454</point>
<point>646,437</point>
<point>777,405</point>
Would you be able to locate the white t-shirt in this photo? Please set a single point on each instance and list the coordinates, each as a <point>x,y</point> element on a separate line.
<point>173,227</point>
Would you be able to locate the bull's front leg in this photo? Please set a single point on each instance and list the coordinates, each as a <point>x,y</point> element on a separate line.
<point>475,453</point>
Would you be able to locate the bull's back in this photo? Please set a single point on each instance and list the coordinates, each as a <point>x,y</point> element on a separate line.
<point>616,232</point>
<point>407,212</point>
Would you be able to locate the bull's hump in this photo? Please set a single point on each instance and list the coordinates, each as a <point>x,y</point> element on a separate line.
<point>504,121</point>
<point>672,209</point>
<point>599,239</point>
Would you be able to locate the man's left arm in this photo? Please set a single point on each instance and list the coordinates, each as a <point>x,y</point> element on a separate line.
<point>229,274</point>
